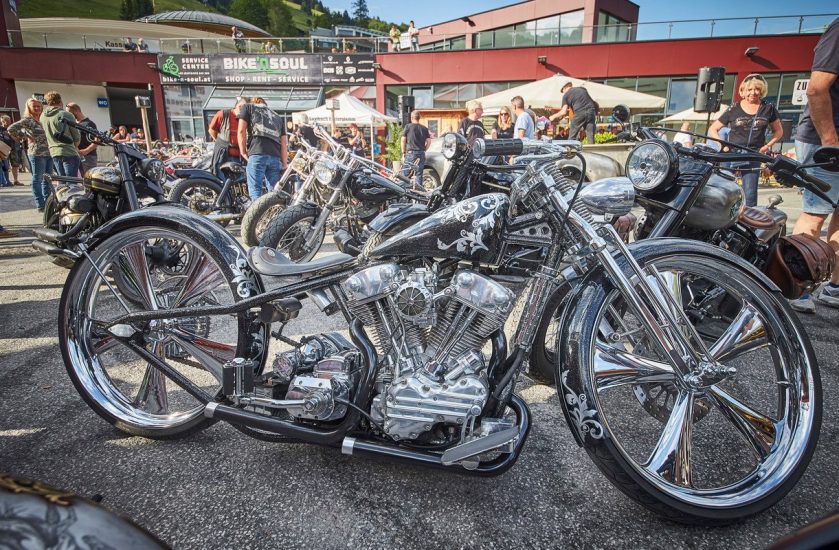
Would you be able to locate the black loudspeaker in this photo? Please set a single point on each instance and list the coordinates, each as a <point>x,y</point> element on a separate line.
<point>406,105</point>
<point>709,85</point>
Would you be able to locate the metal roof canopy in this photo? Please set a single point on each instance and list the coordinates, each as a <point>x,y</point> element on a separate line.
<point>289,99</point>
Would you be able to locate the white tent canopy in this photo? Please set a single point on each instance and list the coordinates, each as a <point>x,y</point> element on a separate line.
<point>547,93</point>
<point>350,109</point>
<point>693,116</point>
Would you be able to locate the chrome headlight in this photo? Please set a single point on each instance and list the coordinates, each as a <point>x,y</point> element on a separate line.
<point>453,145</point>
<point>325,171</point>
<point>152,169</point>
<point>651,166</point>
<point>298,163</point>
<point>613,196</point>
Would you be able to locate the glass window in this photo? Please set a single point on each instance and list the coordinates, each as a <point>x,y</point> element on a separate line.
<point>655,85</point>
<point>728,89</point>
<point>494,87</point>
<point>681,96</point>
<point>445,96</point>
<point>423,98</point>
<point>433,127</point>
<point>571,27</point>
<point>547,31</point>
<point>787,87</point>
<point>182,129</point>
<point>525,34</point>
<point>392,94</point>
<point>483,39</point>
<point>611,28</point>
<point>624,83</point>
<point>457,43</point>
<point>504,37</point>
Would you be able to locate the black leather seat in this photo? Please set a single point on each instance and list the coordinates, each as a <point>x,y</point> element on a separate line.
<point>267,261</point>
<point>231,168</point>
<point>757,217</point>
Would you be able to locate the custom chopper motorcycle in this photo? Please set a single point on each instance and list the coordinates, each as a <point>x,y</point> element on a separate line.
<point>428,375</point>
<point>79,206</point>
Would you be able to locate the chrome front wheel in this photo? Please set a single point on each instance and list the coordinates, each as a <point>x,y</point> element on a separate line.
<point>724,440</point>
<point>115,379</point>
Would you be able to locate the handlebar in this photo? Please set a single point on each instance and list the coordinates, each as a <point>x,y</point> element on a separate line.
<point>516,146</point>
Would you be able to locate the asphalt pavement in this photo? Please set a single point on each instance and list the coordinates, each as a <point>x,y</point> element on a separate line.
<point>221,489</point>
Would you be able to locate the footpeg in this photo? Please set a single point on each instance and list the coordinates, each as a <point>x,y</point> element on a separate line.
<point>479,445</point>
<point>237,378</point>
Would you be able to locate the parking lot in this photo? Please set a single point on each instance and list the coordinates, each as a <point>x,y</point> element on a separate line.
<point>220,489</point>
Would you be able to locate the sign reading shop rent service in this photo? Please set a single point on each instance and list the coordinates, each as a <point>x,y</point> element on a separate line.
<point>261,69</point>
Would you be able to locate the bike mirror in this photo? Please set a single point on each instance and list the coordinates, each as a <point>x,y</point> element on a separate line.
<point>621,113</point>
<point>827,158</point>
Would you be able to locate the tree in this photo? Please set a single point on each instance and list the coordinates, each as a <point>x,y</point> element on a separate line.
<point>280,21</point>
<point>346,19</point>
<point>251,11</point>
<point>360,12</point>
<point>144,8</point>
<point>128,10</point>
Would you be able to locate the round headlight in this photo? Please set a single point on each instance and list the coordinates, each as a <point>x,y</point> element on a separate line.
<point>651,165</point>
<point>450,143</point>
<point>152,169</point>
<point>325,171</point>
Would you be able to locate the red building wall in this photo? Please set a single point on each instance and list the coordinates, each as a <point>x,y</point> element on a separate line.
<point>657,58</point>
<point>80,67</point>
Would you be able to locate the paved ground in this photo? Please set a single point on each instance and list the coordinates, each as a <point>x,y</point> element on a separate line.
<point>220,489</point>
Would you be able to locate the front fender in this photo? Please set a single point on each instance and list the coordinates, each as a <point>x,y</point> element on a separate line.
<point>220,246</point>
<point>579,310</point>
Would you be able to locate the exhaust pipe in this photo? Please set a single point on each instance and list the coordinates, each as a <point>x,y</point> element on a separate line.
<point>52,250</point>
<point>224,217</point>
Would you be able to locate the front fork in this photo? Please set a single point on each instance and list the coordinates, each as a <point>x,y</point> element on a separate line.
<point>326,211</point>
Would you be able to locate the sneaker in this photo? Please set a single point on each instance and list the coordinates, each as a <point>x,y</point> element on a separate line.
<point>829,296</point>
<point>804,304</point>
<point>6,234</point>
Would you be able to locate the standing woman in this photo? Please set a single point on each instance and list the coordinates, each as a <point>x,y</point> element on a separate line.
<point>29,127</point>
<point>748,121</point>
<point>503,127</point>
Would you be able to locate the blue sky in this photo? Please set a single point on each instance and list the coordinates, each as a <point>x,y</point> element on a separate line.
<point>429,12</point>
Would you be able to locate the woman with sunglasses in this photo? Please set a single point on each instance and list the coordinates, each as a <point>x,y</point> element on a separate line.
<point>748,121</point>
<point>503,127</point>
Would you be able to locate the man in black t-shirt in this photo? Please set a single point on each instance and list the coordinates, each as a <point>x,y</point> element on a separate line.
<point>819,127</point>
<point>87,149</point>
<point>415,141</point>
<point>584,107</point>
<point>262,143</point>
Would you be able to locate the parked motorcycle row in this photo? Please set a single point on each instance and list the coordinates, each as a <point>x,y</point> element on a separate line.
<point>680,368</point>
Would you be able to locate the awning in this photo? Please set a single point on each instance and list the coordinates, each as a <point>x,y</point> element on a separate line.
<point>350,109</point>
<point>691,115</point>
<point>291,99</point>
<point>547,93</point>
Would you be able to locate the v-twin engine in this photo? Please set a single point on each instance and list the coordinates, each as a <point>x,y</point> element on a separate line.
<point>433,372</point>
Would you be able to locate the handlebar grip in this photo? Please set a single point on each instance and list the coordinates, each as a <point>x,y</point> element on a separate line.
<point>497,147</point>
<point>821,185</point>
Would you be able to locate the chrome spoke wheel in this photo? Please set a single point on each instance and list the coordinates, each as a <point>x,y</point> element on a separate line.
<point>119,384</point>
<point>732,434</point>
<point>262,223</point>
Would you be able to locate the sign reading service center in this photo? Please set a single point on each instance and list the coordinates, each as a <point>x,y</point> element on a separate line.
<point>261,69</point>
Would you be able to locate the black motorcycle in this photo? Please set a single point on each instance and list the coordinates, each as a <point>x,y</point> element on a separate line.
<point>415,382</point>
<point>221,199</point>
<point>347,192</point>
<point>78,206</point>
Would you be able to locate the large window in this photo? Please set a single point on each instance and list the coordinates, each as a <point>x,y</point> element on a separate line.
<point>184,110</point>
<point>611,28</point>
<point>571,27</point>
<point>681,96</point>
<point>566,28</point>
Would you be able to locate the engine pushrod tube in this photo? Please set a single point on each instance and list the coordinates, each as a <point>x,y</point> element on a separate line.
<point>238,307</point>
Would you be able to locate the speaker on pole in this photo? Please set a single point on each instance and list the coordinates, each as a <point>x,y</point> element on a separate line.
<point>406,105</point>
<point>709,89</point>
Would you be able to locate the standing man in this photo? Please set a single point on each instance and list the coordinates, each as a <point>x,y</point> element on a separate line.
<point>87,148</point>
<point>238,39</point>
<point>415,141</point>
<point>262,143</point>
<point>525,124</point>
<point>472,126</point>
<point>224,129</point>
<point>584,107</point>
<point>819,128</point>
<point>63,139</point>
<point>413,32</point>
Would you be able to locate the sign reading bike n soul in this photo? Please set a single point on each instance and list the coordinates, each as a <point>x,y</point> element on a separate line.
<point>305,69</point>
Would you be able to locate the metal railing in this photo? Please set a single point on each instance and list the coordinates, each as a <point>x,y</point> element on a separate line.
<point>491,39</point>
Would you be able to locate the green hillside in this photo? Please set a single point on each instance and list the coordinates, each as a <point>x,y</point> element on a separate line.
<point>109,9</point>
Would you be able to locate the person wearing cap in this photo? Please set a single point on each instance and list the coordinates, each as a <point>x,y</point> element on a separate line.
<point>584,107</point>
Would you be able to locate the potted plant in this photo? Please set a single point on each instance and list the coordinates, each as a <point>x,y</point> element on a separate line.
<point>394,145</point>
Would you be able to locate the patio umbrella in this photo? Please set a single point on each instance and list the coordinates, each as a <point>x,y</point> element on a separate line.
<point>693,116</point>
<point>546,93</point>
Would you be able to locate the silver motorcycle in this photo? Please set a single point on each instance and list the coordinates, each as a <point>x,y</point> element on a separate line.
<point>680,368</point>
